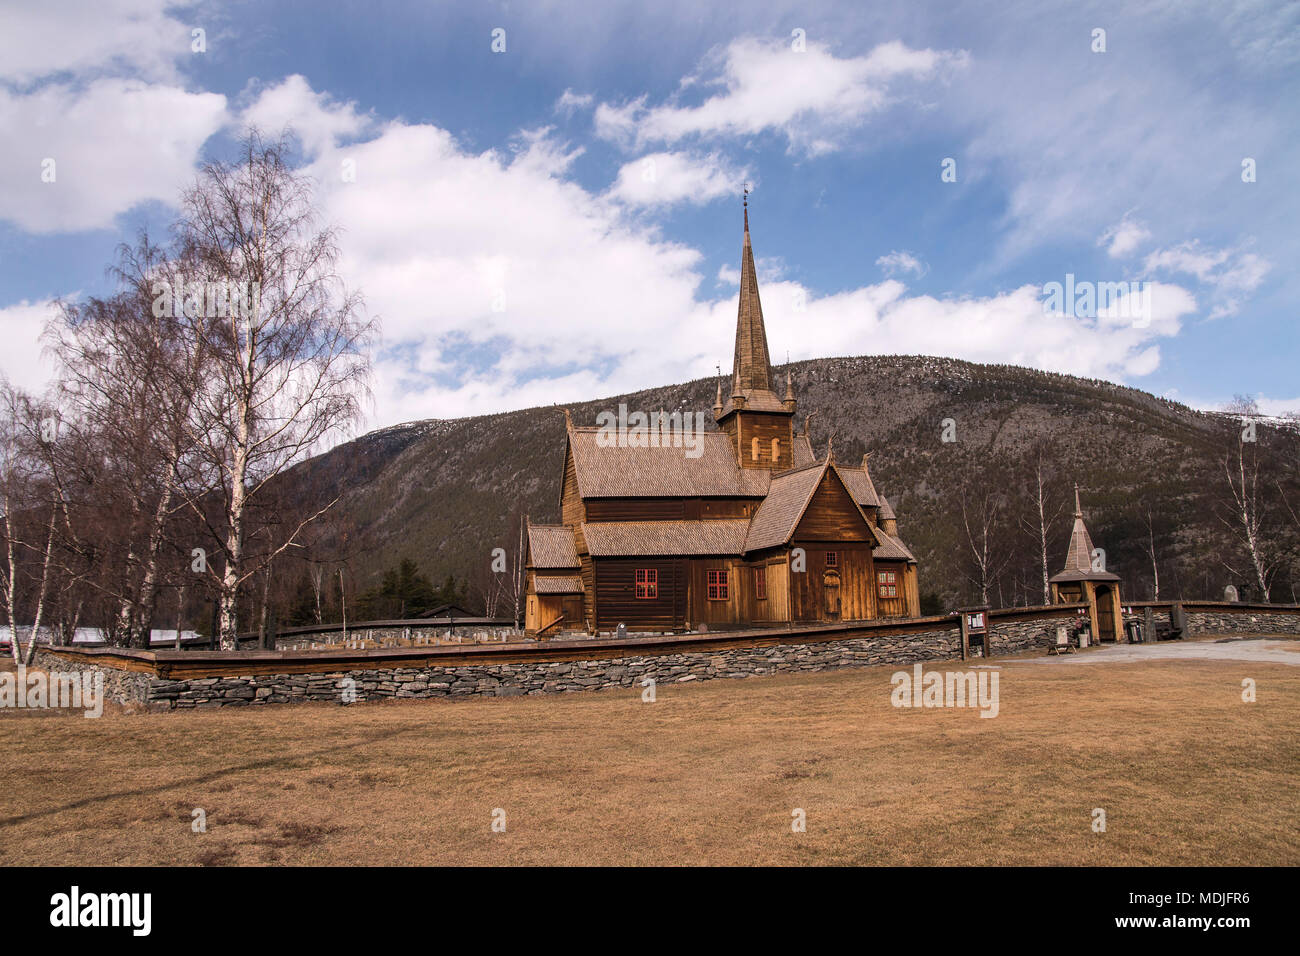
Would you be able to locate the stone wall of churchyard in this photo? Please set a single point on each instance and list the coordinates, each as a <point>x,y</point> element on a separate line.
<point>567,667</point>
<point>1244,621</point>
<point>122,686</point>
<point>545,677</point>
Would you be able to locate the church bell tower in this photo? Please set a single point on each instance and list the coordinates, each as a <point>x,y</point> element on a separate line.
<point>760,425</point>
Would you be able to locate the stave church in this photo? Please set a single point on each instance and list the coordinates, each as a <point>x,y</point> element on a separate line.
<point>750,529</point>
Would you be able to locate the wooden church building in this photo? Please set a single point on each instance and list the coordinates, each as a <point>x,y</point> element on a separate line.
<point>755,530</point>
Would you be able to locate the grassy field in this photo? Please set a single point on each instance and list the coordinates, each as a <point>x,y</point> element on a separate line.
<point>709,773</point>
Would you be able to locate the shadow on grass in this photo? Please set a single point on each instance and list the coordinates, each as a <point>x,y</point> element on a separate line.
<point>284,762</point>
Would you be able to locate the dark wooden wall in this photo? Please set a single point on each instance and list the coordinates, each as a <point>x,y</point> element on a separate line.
<point>832,515</point>
<point>908,602</point>
<point>855,571</point>
<point>667,509</point>
<point>616,600</point>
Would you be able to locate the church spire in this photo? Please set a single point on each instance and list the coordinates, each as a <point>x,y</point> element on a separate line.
<point>751,376</point>
<point>1078,559</point>
<point>759,423</point>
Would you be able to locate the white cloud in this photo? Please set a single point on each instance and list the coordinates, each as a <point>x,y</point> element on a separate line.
<point>114,143</point>
<point>502,284</point>
<point>1124,237</point>
<point>1277,406</point>
<point>317,120</point>
<point>570,102</point>
<point>810,97</point>
<point>21,326</point>
<point>1232,274</point>
<point>662,179</point>
<point>901,261</point>
<point>92,36</point>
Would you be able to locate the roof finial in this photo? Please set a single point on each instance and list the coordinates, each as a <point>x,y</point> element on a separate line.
<point>1078,511</point>
<point>745,202</point>
<point>808,421</point>
<point>568,421</point>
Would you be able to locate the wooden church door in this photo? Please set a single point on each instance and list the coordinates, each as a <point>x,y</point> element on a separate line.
<point>831,594</point>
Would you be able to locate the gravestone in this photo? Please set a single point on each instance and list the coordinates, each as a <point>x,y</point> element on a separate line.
<point>1230,593</point>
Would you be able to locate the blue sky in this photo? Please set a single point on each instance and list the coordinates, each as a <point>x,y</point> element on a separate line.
<point>561,220</point>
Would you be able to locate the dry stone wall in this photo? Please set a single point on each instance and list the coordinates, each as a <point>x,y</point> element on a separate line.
<point>372,679</point>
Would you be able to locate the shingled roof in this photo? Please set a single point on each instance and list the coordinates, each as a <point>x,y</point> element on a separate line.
<point>613,471</point>
<point>551,546</point>
<point>630,538</point>
<point>858,481</point>
<point>892,549</point>
<point>774,521</point>
<point>557,584</point>
<point>1078,558</point>
<point>803,453</point>
<point>778,515</point>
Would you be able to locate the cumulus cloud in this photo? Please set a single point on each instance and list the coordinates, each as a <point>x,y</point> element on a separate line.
<point>501,284</point>
<point>21,326</point>
<point>663,179</point>
<point>810,97</point>
<point>92,36</point>
<point>113,144</point>
<point>315,118</point>
<point>93,111</point>
<point>901,262</point>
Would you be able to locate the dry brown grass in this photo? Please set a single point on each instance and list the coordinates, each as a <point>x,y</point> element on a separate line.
<point>1187,773</point>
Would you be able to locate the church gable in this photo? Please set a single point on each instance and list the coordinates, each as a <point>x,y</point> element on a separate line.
<point>832,514</point>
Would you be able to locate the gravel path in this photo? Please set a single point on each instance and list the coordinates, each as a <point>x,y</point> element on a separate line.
<point>1257,650</point>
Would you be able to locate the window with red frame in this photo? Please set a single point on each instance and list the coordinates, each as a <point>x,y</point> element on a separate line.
<point>887,583</point>
<point>832,559</point>
<point>760,583</point>
<point>718,590</point>
<point>647,584</point>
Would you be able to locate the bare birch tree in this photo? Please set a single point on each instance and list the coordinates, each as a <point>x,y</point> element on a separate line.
<point>29,534</point>
<point>290,359</point>
<point>981,517</point>
<point>1042,516</point>
<point>1151,553</point>
<point>1246,516</point>
<point>128,374</point>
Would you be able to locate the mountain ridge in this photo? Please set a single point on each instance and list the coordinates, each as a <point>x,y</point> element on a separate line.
<point>445,492</point>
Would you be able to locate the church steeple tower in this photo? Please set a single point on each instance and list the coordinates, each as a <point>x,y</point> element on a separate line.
<point>758,420</point>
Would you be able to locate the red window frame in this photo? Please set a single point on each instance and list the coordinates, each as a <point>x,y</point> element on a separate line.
<point>719,586</point>
<point>647,584</point>
<point>760,584</point>
<point>887,584</point>
<point>832,559</point>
